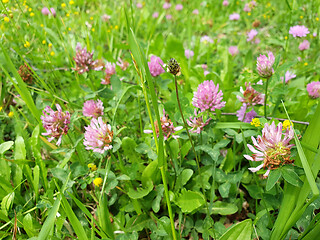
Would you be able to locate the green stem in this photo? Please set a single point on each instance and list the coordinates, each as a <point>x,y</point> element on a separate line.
<point>190,139</point>
<point>166,193</point>
<point>265,98</point>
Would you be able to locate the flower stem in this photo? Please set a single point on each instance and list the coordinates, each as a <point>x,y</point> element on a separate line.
<point>265,98</point>
<point>190,139</point>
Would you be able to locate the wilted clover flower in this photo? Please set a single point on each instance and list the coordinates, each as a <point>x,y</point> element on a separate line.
<point>173,67</point>
<point>166,126</point>
<point>122,64</point>
<point>208,97</point>
<point>313,89</point>
<point>93,108</point>
<point>98,136</point>
<point>155,66</point>
<point>25,73</point>
<point>197,123</point>
<point>56,123</point>
<point>84,61</point>
<point>272,148</point>
<point>250,96</point>
<point>264,65</point>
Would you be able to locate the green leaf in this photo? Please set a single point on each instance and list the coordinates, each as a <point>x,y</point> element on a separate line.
<point>291,176</point>
<point>222,208</point>
<point>273,178</point>
<point>19,149</point>
<point>224,189</point>
<point>240,231</point>
<point>141,192</point>
<point>59,173</point>
<point>149,172</point>
<point>5,146</point>
<point>28,225</point>
<point>7,203</point>
<point>128,146</point>
<point>157,200</point>
<point>189,201</point>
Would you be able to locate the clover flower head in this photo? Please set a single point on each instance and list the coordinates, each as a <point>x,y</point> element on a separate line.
<point>123,65</point>
<point>195,12</point>
<point>196,123</point>
<point>208,97</point>
<point>272,148</point>
<point>179,7</point>
<point>288,76</point>
<point>155,66</point>
<point>299,31</point>
<point>234,16</point>
<point>313,89</point>
<point>233,50</point>
<point>251,35</point>
<point>155,15</point>
<point>110,69</point>
<point>225,3</point>
<point>250,96</point>
<point>304,45</point>
<point>264,65</point>
<point>56,123</point>
<point>188,53</point>
<point>98,136</point>
<point>245,116</point>
<point>83,59</point>
<point>206,39</point>
<point>166,126</point>
<point>166,5</point>
<point>93,108</point>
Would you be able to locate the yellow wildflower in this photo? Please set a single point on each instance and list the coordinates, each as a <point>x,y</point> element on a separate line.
<point>249,13</point>
<point>10,114</point>
<point>27,44</point>
<point>92,29</point>
<point>301,17</point>
<point>68,14</point>
<point>0,109</point>
<point>286,124</point>
<point>116,27</point>
<point>41,25</point>
<point>63,5</point>
<point>44,42</point>
<point>306,64</point>
<point>76,13</point>
<point>50,45</point>
<point>30,9</point>
<point>52,53</point>
<point>71,2</point>
<point>5,1</point>
<point>6,19</point>
<point>256,122</point>
<point>97,182</point>
<point>92,167</point>
<point>317,19</point>
<point>285,37</point>
<point>91,18</point>
<point>69,28</point>
<point>31,14</point>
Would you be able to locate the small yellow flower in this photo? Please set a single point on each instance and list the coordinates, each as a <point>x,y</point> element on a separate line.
<point>91,18</point>
<point>108,30</point>
<point>256,122</point>
<point>52,53</point>
<point>285,37</point>
<point>111,26</point>
<point>249,13</point>
<point>71,2</point>
<point>301,17</point>
<point>31,14</point>
<point>27,44</point>
<point>268,4</point>
<point>50,45</point>
<point>6,19</point>
<point>116,27</point>
<point>5,1</point>
<point>30,9</point>
<point>0,109</point>
<point>41,25</point>
<point>306,64</point>
<point>97,181</point>
<point>44,42</point>
<point>264,16</point>
<point>92,167</point>
<point>317,19</point>
<point>10,114</point>
<point>68,14</point>
<point>237,2</point>
<point>76,13</point>
<point>286,124</point>
<point>63,5</point>
<point>92,29</point>
<point>69,28</point>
